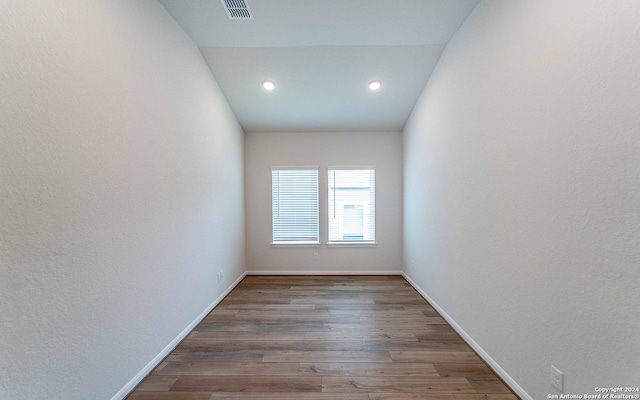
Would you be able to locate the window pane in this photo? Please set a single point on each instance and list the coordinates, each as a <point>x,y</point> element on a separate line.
<point>351,204</point>
<point>295,205</point>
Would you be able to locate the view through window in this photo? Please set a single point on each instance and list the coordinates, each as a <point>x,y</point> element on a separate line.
<point>351,205</point>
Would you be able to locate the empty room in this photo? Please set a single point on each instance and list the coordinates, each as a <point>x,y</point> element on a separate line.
<point>319,199</point>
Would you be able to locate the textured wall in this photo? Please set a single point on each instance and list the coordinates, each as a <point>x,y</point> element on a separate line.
<point>381,149</point>
<point>522,189</point>
<point>121,193</point>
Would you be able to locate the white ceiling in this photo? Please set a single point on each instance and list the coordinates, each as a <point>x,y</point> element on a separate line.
<point>322,54</point>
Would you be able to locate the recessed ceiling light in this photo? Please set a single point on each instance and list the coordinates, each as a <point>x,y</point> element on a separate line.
<point>268,85</point>
<point>375,85</point>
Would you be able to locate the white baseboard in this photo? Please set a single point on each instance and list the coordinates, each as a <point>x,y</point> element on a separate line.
<point>122,393</point>
<point>324,272</point>
<point>475,346</point>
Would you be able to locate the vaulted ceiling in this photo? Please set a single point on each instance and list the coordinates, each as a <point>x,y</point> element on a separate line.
<point>322,54</point>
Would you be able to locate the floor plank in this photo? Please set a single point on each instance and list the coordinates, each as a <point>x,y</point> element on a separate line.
<point>436,357</point>
<point>368,369</point>
<point>488,385</point>
<point>278,345</point>
<point>248,383</point>
<point>396,384</point>
<point>220,368</point>
<point>466,370</point>
<point>327,356</point>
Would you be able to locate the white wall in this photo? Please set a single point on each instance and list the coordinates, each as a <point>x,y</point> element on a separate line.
<point>522,189</point>
<point>381,149</point>
<point>121,193</point>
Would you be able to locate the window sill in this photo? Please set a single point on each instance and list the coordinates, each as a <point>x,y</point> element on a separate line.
<point>295,244</point>
<point>363,243</point>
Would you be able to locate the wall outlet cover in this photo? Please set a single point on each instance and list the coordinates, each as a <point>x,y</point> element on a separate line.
<point>557,378</point>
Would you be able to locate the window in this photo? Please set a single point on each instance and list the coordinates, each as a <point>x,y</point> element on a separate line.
<point>352,205</point>
<point>294,199</point>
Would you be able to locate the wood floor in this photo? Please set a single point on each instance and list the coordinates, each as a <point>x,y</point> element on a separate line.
<point>323,338</point>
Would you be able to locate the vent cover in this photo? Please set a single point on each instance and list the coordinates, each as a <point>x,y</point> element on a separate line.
<point>237,9</point>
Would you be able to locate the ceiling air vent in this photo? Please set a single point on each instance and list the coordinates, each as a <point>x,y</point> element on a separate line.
<point>237,9</point>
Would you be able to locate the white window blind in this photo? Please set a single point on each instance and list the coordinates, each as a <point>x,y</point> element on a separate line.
<point>294,198</point>
<point>352,205</point>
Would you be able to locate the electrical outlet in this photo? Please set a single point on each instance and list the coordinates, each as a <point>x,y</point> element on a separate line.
<point>220,276</point>
<point>557,378</point>
<point>316,256</point>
